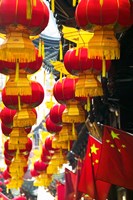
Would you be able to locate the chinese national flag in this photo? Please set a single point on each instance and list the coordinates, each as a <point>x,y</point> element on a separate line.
<point>60,191</point>
<point>88,184</point>
<point>116,163</point>
<point>71,179</point>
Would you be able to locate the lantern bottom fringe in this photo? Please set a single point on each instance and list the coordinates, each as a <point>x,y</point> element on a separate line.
<point>73,119</point>
<point>85,92</point>
<point>19,90</point>
<point>103,44</point>
<point>17,174</point>
<point>43,180</point>
<point>101,53</point>
<point>52,169</point>
<point>19,170</point>
<point>58,145</point>
<point>64,138</point>
<point>24,118</point>
<point>17,54</point>
<point>44,183</point>
<point>15,184</point>
<point>18,140</point>
<point>19,132</point>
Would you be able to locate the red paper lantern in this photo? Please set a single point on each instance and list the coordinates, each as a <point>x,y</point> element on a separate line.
<point>6,175</point>
<point>51,126</point>
<point>34,173</point>
<point>7,161</point>
<point>46,154</point>
<point>91,13</point>
<point>6,147</point>
<point>78,62</point>
<point>7,116</point>
<point>48,143</point>
<point>64,90</point>
<point>40,166</point>
<point>9,68</point>
<point>8,156</point>
<point>56,113</point>
<point>18,14</point>
<point>28,146</point>
<point>34,100</point>
<point>6,130</point>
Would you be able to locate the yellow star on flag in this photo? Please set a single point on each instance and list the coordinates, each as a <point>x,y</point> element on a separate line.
<point>114,135</point>
<point>94,149</point>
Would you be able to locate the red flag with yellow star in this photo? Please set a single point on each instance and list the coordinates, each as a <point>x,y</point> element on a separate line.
<point>88,184</point>
<point>116,162</point>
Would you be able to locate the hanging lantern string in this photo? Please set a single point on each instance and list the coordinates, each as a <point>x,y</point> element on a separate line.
<point>103,67</point>
<point>17,71</point>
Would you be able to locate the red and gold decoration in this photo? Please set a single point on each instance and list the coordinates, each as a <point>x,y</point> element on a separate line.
<point>104,18</point>
<point>64,93</point>
<point>19,58</point>
<point>76,62</point>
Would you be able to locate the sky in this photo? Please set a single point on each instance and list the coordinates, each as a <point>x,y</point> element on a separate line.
<point>51,30</point>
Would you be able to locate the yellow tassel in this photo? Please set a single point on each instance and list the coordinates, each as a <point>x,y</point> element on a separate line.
<point>68,144</point>
<point>29,9</point>
<point>60,76</point>
<point>77,48</point>
<point>61,51</point>
<point>52,6</point>
<point>69,46</point>
<point>74,3</point>
<point>73,128</point>
<point>19,103</point>
<point>78,1</point>
<point>16,7</point>
<point>7,190</point>
<point>34,2</point>
<point>17,71</point>
<point>103,68</point>
<point>88,104</point>
<point>40,48</point>
<point>51,79</point>
<point>17,153</point>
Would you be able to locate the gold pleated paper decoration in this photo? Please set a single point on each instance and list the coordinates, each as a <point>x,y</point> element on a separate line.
<point>17,45</point>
